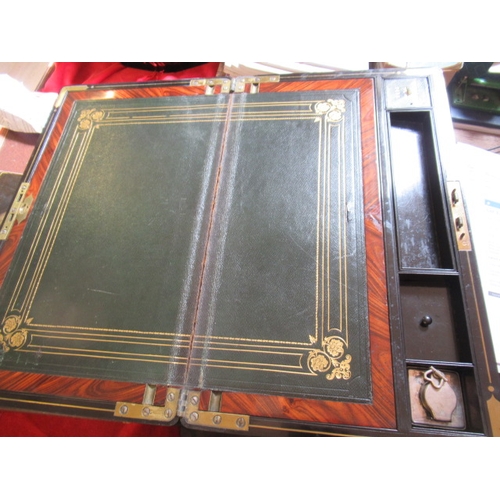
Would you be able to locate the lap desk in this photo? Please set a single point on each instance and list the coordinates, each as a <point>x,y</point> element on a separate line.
<point>274,254</point>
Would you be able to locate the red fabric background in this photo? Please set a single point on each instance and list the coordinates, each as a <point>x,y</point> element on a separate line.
<point>93,73</point>
<point>31,424</point>
<point>17,424</point>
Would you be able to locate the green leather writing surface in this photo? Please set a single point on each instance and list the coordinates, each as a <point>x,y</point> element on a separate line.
<point>284,304</point>
<point>102,283</point>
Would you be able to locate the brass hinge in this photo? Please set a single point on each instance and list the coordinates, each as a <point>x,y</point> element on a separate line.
<point>460,225</point>
<point>211,83</point>
<point>147,410</point>
<point>182,404</point>
<point>234,85</point>
<point>212,418</point>
<point>254,81</point>
<point>18,210</point>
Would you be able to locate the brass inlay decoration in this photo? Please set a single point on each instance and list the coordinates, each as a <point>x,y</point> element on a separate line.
<point>88,117</point>
<point>213,419</point>
<point>460,225</point>
<point>18,211</point>
<point>13,335</point>
<point>50,404</point>
<point>147,410</point>
<point>332,109</point>
<point>330,357</point>
<point>494,412</point>
<point>330,112</point>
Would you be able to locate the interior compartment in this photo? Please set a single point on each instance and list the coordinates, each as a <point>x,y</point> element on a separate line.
<point>467,400</point>
<point>422,229</point>
<point>434,322</point>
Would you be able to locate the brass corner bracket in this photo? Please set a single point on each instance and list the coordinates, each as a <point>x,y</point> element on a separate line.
<point>64,92</point>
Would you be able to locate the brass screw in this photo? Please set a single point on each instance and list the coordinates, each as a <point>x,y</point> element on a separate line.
<point>217,419</point>
<point>170,396</point>
<point>146,412</point>
<point>168,413</point>
<point>240,422</point>
<point>194,400</point>
<point>194,416</point>
<point>124,409</point>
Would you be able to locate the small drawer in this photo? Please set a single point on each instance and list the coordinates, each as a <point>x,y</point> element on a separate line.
<point>433,320</point>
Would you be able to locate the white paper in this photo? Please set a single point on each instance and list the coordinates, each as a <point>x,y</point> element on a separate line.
<point>479,174</point>
<point>22,110</point>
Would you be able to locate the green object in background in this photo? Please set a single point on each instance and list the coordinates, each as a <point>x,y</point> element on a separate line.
<point>474,87</point>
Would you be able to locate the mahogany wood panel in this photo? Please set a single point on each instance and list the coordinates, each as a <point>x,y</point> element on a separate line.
<point>103,390</point>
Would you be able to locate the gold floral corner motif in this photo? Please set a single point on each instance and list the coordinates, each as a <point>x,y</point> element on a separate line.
<point>88,117</point>
<point>321,361</point>
<point>11,335</point>
<point>332,109</point>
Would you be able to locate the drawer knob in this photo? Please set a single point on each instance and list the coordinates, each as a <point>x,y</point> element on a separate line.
<point>425,321</point>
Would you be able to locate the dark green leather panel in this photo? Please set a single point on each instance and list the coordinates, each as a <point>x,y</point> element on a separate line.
<point>284,302</point>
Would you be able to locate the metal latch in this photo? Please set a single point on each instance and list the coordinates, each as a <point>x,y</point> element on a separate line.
<point>211,83</point>
<point>254,81</point>
<point>437,396</point>
<point>18,211</point>
<point>212,418</point>
<point>460,226</point>
<point>147,410</point>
